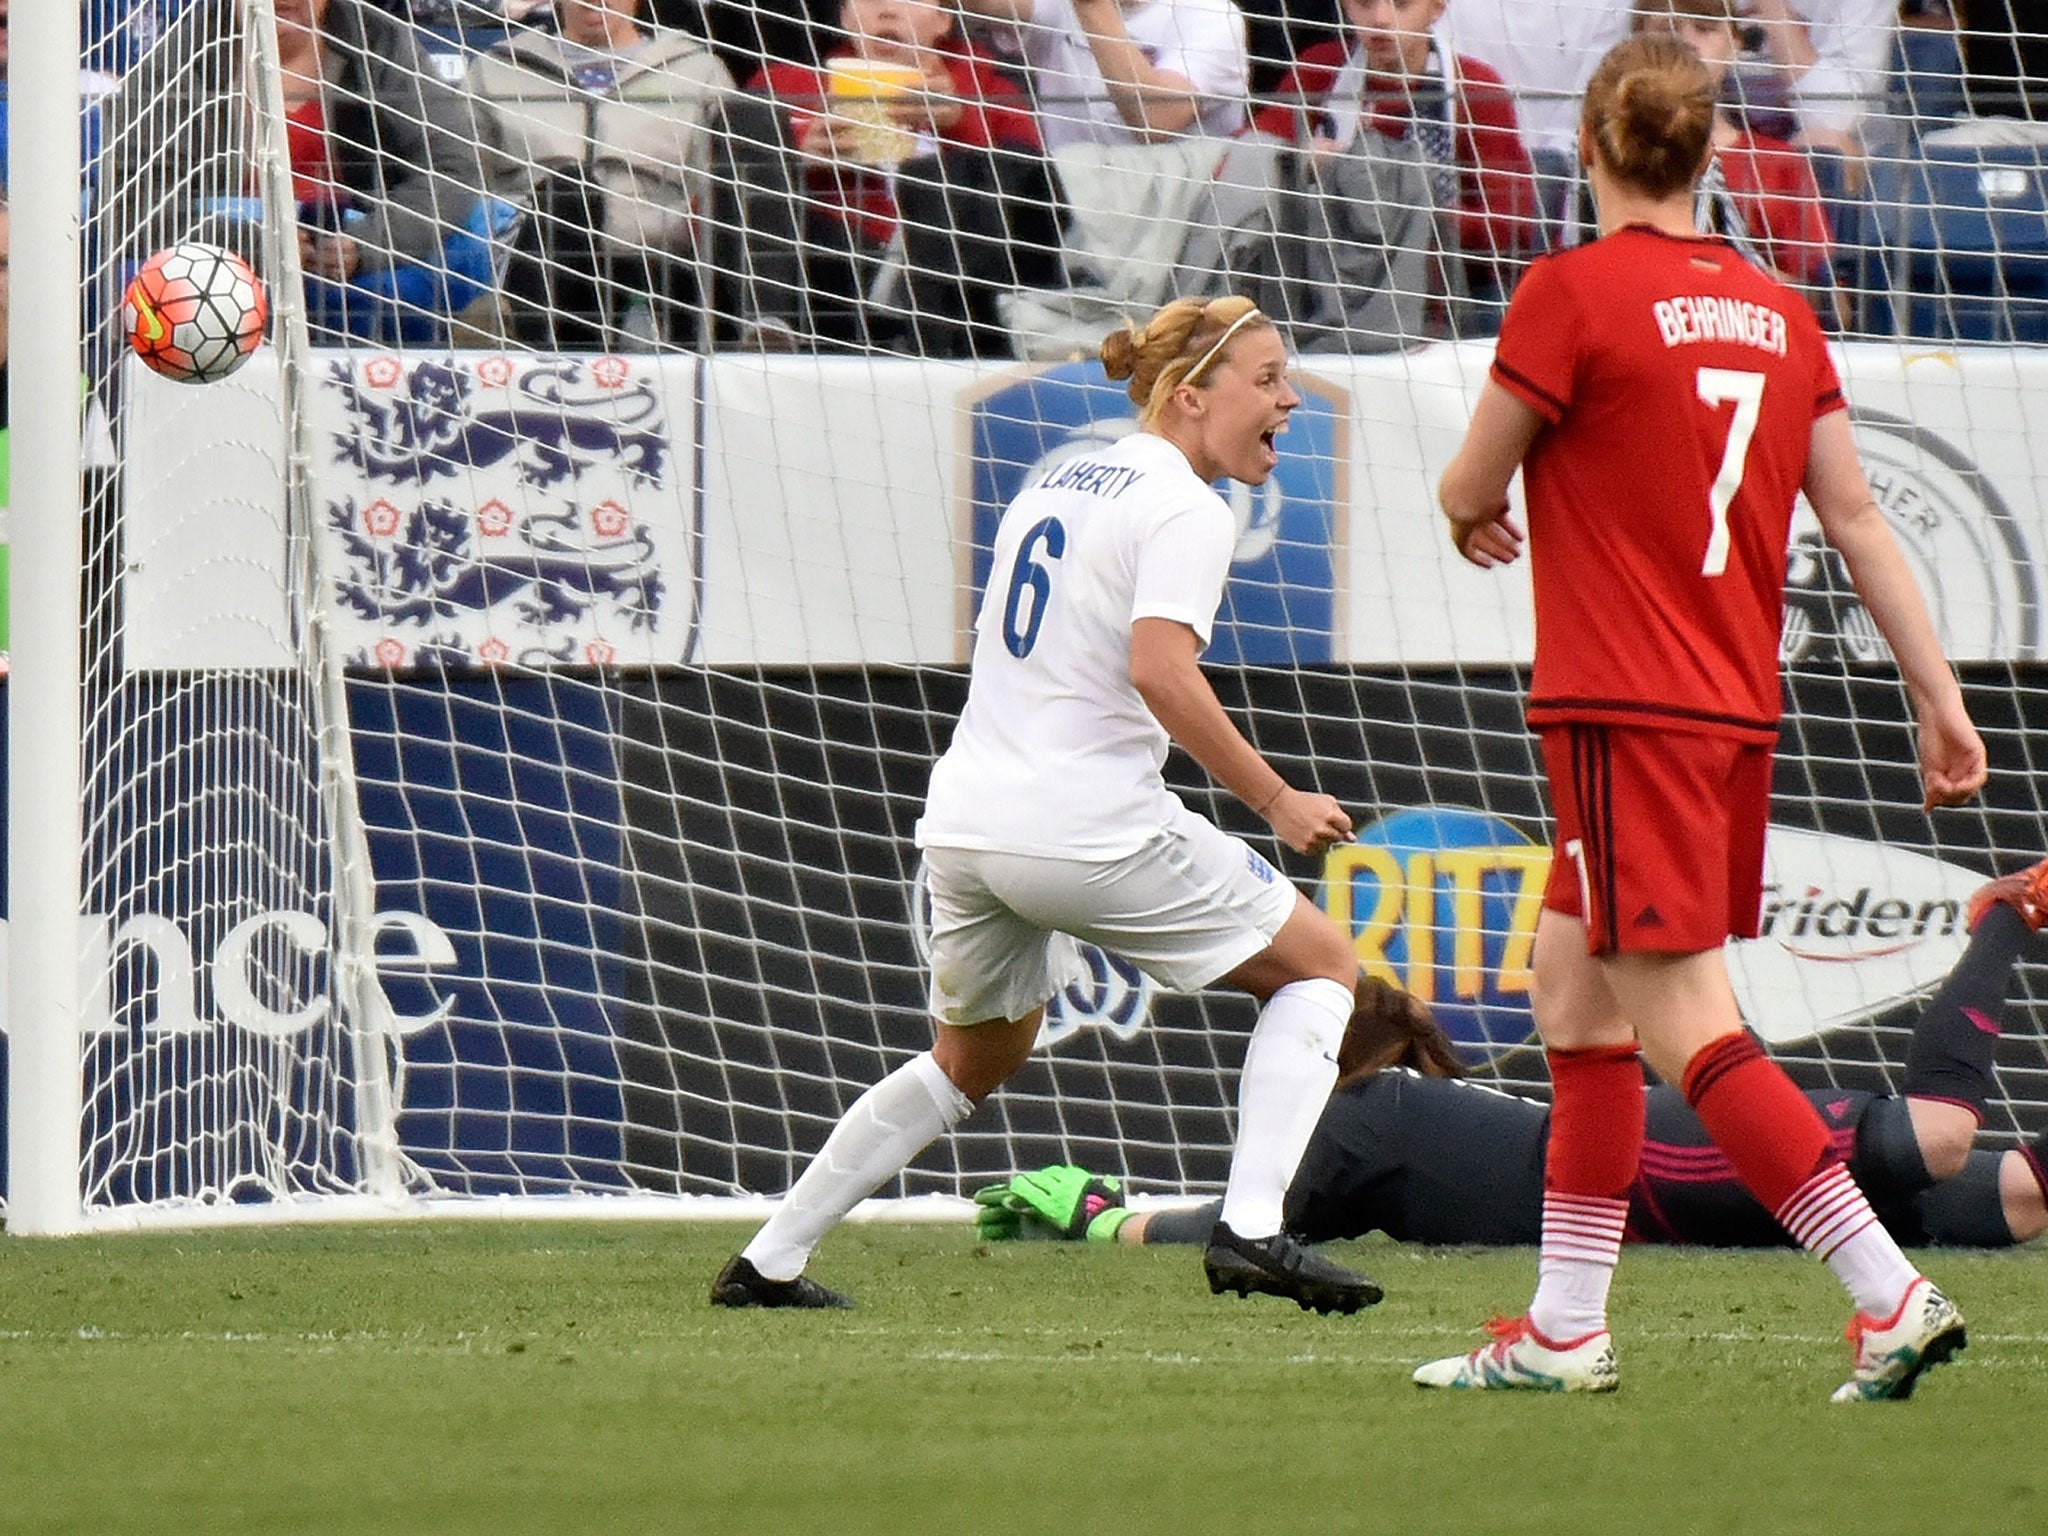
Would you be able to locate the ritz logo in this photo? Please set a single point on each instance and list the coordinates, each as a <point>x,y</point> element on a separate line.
<point>1443,903</point>
<point>1283,604</point>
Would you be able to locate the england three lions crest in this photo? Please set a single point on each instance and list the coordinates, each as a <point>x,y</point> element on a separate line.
<point>487,510</point>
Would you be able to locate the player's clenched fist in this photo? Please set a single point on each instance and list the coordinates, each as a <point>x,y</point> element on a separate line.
<point>1308,822</point>
<point>1953,765</point>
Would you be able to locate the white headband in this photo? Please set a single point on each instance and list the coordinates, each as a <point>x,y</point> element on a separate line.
<point>1222,341</point>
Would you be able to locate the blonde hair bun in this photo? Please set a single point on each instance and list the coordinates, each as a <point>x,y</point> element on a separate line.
<point>1158,355</point>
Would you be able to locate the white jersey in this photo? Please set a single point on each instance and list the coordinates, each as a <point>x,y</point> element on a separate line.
<point>1056,753</point>
<point>1545,51</point>
<point>1202,41</point>
<point>1852,43</point>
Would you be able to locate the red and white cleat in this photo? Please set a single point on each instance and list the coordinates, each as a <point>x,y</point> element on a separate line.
<point>1891,1353</point>
<point>1520,1359</point>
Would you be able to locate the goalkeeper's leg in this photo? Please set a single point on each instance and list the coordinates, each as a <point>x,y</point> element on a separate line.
<point>878,1136</point>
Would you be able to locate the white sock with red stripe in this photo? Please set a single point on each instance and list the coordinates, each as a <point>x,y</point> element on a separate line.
<point>1581,1246</point>
<point>1829,1218</point>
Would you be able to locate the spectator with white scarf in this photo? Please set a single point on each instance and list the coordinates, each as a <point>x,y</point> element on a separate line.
<point>1544,52</point>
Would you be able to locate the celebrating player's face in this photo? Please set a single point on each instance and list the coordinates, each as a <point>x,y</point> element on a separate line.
<point>1246,402</point>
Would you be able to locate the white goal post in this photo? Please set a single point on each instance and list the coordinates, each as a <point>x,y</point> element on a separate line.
<point>43,765</point>
<point>465,760</point>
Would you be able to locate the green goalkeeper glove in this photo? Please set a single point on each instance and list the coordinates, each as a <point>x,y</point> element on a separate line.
<point>998,1214</point>
<point>1057,1202</point>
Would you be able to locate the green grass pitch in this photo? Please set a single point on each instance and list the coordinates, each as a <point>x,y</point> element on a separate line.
<point>564,1377</point>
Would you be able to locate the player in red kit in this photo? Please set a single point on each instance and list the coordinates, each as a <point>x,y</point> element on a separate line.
<point>1665,402</point>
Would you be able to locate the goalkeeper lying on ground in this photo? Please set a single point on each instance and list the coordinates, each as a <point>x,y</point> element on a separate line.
<point>1406,1149</point>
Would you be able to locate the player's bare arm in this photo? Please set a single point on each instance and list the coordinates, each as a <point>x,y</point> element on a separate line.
<point>1154,102</point>
<point>1952,760</point>
<point>1474,488</point>
<point>1167,677</point>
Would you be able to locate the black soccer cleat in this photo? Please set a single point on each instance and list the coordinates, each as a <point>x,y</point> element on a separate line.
<point>1281,1265</point>
<point>739,1284</point>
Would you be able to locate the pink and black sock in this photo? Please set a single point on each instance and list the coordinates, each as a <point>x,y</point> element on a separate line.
<point>1782,1153</point>
<point>1956,1039</point>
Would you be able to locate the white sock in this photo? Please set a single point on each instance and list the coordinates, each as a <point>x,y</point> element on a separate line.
<point>1289,1068</point>
<point>1874,1271</point>
<point>1831,1219</point>
<point>1581,1245</point>
<point>883,1130</point>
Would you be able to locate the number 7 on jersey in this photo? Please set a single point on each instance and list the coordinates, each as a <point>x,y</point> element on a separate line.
<point>1719,386</point>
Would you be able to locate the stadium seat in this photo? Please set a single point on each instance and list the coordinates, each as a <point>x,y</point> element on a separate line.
<point>448,48</point>
<point>1959,247</point>
<point>1927,77</point>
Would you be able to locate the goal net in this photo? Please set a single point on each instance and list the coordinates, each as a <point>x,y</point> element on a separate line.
<point>506,700</point>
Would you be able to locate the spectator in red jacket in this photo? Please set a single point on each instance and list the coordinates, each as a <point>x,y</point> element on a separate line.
<point>1390,75</point>
<point>1770,181</point>
<point>907,130</point>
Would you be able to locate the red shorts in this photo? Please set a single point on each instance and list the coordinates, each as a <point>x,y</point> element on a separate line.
<point>1660,835</point>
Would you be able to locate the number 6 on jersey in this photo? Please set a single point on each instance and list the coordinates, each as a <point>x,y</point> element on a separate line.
<point>1718,386</point>
<point>1029,575</point>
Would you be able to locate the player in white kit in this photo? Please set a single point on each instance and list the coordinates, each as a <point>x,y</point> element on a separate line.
<point>1048,819</point>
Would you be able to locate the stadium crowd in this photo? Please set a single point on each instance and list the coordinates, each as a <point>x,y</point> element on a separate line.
<point>900,174</point>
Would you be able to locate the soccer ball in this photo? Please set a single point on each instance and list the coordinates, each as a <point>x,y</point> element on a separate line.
<point>195,312</point>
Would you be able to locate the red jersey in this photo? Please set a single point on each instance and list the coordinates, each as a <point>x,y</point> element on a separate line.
<point>1680,386</point>
<point>313,178</point>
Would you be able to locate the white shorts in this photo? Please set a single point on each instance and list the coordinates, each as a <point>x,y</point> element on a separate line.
<point>1193,904</point>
